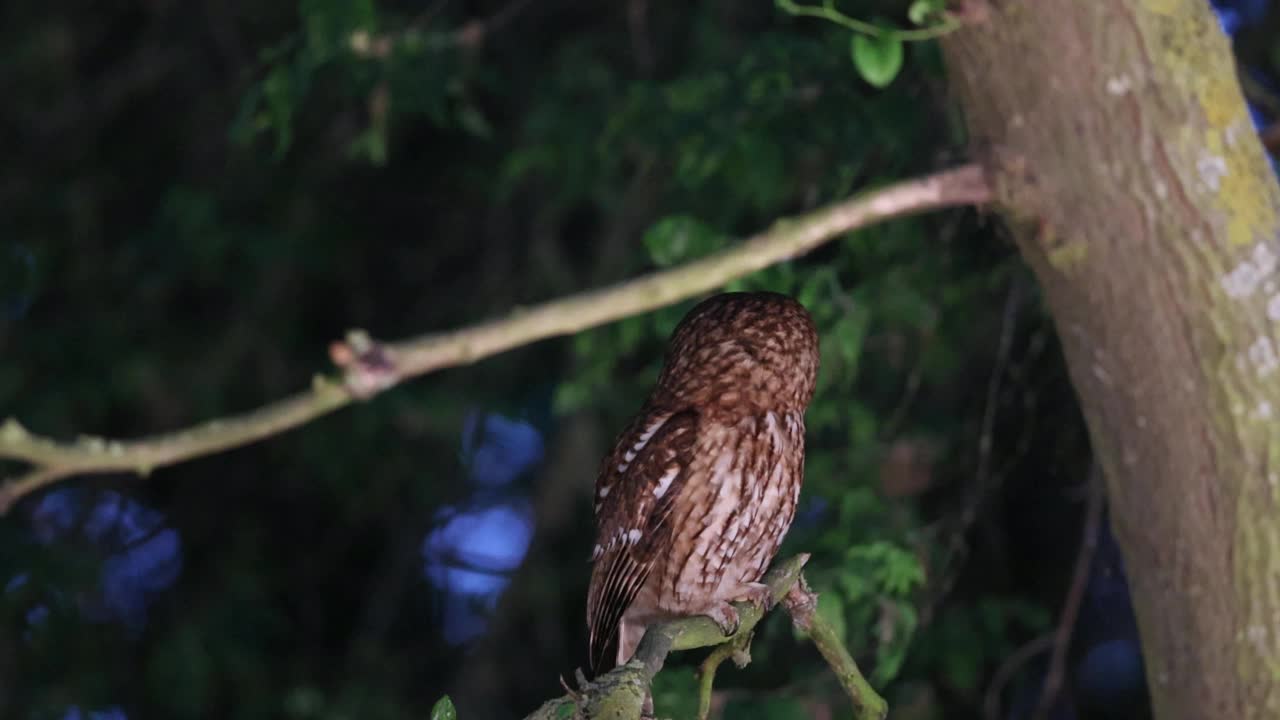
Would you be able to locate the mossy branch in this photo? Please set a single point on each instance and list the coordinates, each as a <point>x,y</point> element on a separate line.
<point>369,367</point>
<point>739,649</point>
<point>802,603</point>
<point>619,694</point>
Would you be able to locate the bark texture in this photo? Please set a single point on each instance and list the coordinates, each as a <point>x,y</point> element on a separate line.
<point>1126,163</point>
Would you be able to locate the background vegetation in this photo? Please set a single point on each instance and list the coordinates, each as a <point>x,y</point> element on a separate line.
<point>199,197</point>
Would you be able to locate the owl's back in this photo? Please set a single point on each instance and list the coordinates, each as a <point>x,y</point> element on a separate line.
<point>700,489</point>
<point>734,511</point>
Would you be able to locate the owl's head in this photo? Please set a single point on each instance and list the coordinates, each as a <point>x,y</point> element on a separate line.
<point>742,352</point>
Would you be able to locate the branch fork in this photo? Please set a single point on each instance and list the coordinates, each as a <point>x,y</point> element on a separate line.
<point>368,367</point>
<point>619,694</point>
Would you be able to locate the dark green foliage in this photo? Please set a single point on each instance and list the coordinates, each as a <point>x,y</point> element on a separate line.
<point>675,693</point>
<point>187,250</point>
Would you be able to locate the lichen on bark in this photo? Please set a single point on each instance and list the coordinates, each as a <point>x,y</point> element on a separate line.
<point>1145,204</point>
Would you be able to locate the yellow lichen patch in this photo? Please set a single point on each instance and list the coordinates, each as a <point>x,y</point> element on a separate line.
<point>1069,255</point>
<point>1185,38</point>
<point>1220,99</point>
<point>1229,166</point>
<point>1162,7</point>
<point>1250,208</point>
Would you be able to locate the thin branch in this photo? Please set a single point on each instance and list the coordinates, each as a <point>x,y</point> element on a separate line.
<point>469,35</point>
<point>802,603</point>
<point>826,11</point>
<point>1007,669</point>
<point>738,649</point>
<point>959,549</point>
<point>487,25</point>
<point>369,367</point>
<point>1075,596</point>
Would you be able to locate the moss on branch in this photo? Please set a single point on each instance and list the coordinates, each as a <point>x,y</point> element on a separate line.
<point>619,694</point>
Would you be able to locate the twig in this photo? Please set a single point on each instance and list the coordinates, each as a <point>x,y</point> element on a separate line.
<point>638,25</point>
<point>369,367</point>
<point>826,12</point>
<point>969,515</point>
<point>707,670</point>
<point>802,603</point>
<point>1075,595</point>
<point>473,33</point>
<point>470,35</point>
<point>914,379</point>
<point>1011,664</point>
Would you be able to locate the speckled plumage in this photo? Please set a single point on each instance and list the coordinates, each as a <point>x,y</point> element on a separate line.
<point>699,490</point>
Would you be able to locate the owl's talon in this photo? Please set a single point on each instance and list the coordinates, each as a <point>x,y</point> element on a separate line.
<point>575,692</point>
<point>760,595</point>
<point>726,616</point>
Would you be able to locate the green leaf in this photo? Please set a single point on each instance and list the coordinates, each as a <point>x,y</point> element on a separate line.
<point>329,24</point>
<point>370,145</point>
<point>849,333</point>
<point>856,586</point>
<point>678,238</point>
<point>878,59</point>
<point>897,629</point>
<point>444,710</point>
<point>279,96</point>
<point>897,572</point>
<point>474,123</point>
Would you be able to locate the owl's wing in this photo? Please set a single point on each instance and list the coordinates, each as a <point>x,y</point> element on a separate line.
<point>635,491</point>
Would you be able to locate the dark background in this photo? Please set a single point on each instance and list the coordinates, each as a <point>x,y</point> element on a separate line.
<point>196,198</point>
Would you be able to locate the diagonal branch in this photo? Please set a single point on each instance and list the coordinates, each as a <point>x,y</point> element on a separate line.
<point>802,603</point>
<point>369,367</point>
<point>739,650</point>
<point>1075,595</point>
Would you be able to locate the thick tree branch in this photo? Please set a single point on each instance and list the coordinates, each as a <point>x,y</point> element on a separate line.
<point>369,367</point>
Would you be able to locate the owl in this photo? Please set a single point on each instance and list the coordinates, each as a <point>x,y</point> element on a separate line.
<point>699,490</point>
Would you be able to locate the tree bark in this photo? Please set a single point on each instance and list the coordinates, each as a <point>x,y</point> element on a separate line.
<point>1127,166</point>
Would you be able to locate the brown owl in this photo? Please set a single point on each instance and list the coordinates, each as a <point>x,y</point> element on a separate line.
<point>700,489</point>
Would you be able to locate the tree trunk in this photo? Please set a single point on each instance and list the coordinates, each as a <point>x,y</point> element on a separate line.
<point>1130,173</point>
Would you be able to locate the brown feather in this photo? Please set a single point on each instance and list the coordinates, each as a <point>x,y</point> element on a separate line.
<point>699,490</point>
<point>642,457</point>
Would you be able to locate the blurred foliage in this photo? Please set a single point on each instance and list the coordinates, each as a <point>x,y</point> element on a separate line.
<point>444,710</point>
<point>203,196</point>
